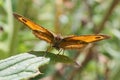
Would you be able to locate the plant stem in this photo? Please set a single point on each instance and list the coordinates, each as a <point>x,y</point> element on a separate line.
<point>12,29</point>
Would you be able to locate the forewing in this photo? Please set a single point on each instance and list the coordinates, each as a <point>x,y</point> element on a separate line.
<point>43,36</point>
<point>38,30</point>
<point>77,42</point>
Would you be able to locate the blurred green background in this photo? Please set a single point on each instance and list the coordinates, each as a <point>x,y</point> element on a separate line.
<point>66,17</point>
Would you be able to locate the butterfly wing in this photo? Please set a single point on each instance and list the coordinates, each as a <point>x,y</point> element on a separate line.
<point>38,31</point>
<point>77,42</point>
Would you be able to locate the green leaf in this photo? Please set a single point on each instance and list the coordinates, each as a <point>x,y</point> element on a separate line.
<point>54,58</point>
<point>22,66</point>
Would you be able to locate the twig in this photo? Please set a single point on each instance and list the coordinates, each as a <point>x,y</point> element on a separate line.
<point>107,15</point>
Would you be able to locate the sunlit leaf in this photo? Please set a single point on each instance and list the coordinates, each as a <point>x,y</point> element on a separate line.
<point>22,66</point>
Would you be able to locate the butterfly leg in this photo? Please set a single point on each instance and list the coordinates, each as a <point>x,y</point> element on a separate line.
<point>59,51</point>
<point>63,52</point>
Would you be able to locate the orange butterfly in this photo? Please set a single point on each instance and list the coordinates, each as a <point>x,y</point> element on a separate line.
<point>59,42</point>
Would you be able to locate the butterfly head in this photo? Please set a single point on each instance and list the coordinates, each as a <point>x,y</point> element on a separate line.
<point>57,40</point>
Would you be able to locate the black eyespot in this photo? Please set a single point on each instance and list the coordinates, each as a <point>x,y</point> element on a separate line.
<point>24,20</point>
<point>98,37</point>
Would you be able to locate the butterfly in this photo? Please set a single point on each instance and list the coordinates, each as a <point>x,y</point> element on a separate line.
<point>59,42</point>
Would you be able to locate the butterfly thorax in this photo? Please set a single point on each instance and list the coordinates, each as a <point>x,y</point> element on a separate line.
<point>57,41</point>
